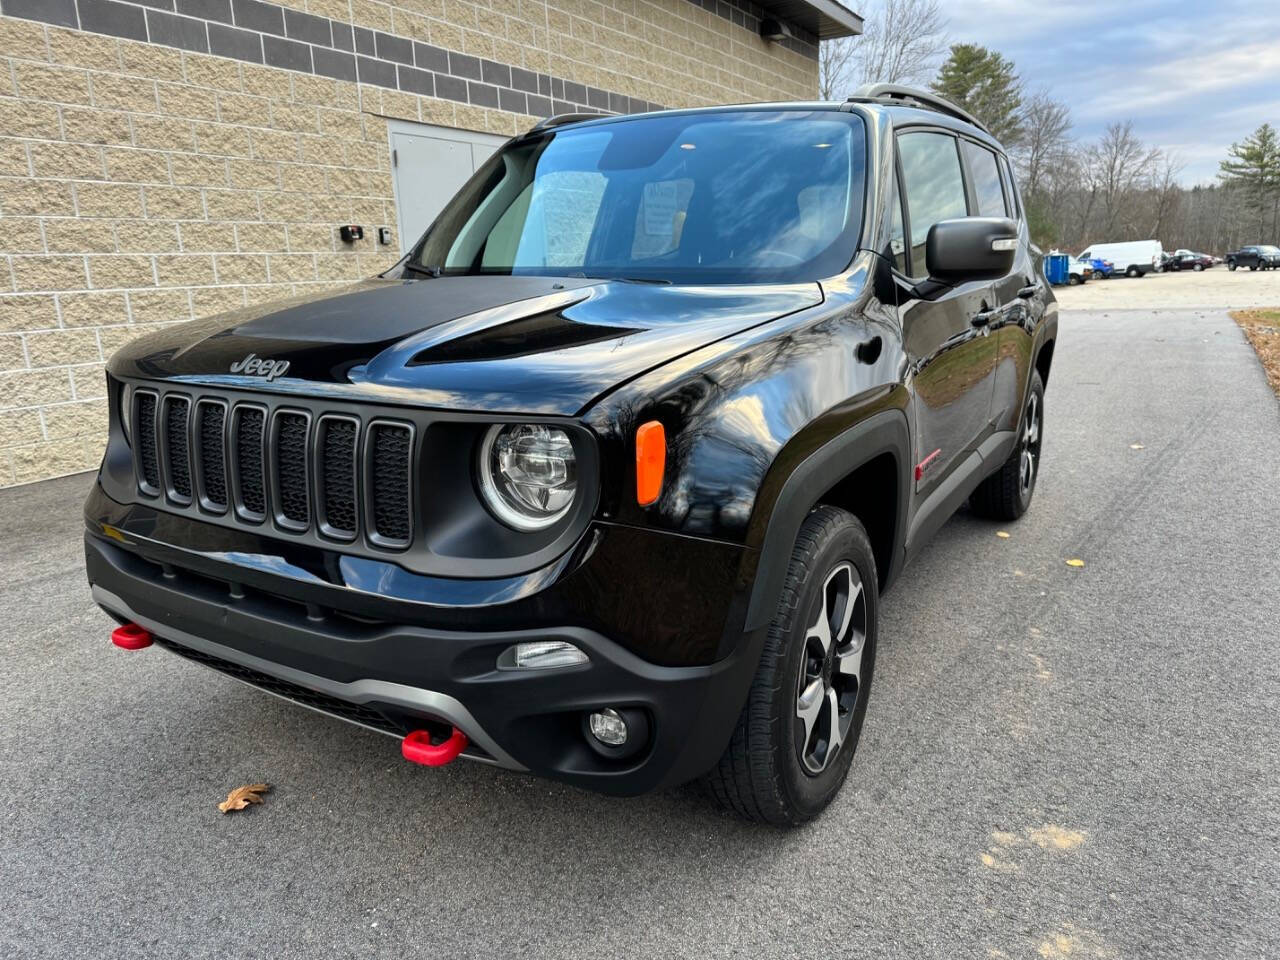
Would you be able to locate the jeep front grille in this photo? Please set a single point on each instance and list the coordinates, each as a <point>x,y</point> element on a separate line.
<point>251,499</point>
<point>148,461</point>
<point>271,462</point>
<point>212,471</point>
<point>389,476</point>
<point>291,480</point>
<point>338,475</point>
<point>177,451</point>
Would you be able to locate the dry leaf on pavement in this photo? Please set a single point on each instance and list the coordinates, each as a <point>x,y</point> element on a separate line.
<point>241,797</point>
<point>1074,562</point>
<point>1003,535</point>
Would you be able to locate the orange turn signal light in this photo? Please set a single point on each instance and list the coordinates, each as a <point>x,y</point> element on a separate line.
<point>651,461</point>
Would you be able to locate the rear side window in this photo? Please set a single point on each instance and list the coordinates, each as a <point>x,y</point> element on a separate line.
<point>934,186</point>
<point>985,176</point>
<point>1015,210</point>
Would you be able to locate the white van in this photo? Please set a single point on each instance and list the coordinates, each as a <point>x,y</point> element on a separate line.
<point>1134,259</point>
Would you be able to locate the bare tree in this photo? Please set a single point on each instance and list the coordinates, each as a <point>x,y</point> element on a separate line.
<point>1046,143</point>
<point>834,68</point>
<point>1166,190</point>
<point>903,42</point>
<point>1120,164</point>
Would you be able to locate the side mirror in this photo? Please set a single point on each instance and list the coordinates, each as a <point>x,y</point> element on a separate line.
<point>970,248</point>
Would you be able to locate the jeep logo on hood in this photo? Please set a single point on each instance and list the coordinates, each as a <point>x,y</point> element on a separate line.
<point>254,366</point>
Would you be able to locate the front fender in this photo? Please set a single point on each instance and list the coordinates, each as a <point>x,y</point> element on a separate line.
<point>792,489</point>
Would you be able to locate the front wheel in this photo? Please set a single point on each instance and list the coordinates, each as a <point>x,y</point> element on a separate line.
<point>1006,494</point>
<point>1231,264</point>
<point>1198,267</point>
<point>1133,272</point>
<point>797,733</point>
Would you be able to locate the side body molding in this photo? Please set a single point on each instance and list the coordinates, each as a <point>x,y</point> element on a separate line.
<point>880,433</point>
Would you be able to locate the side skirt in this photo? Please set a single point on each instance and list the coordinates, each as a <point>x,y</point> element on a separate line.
<point>938,507</point>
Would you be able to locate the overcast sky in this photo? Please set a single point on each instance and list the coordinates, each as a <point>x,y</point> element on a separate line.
<point>1192,75</point>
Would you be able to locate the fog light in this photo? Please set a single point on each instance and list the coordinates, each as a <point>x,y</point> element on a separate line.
<point>541,654</point>
<point>608,727</point>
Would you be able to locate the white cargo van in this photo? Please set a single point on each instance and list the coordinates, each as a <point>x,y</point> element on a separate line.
<point>1134,259</point>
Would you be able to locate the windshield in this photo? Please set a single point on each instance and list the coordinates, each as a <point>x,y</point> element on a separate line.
<point>741,197</point>
<point>1269,250</point>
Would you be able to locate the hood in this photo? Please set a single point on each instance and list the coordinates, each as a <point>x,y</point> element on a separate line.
<point>495,344</point>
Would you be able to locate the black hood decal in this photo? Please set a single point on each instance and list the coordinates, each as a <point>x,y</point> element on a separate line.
<point>511,344</point>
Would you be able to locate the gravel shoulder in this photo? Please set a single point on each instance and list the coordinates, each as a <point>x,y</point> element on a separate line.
<point>1215,288</point>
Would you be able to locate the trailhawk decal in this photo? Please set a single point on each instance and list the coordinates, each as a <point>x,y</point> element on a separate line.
<point>254,366</point>
<point>926,463</point>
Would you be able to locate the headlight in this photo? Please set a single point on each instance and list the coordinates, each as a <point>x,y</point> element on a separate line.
<point>528,474</point>
<point>126,410</point>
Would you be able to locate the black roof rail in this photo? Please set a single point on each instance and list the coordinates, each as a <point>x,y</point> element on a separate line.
<point>913,97</point>
<point>560,119</point>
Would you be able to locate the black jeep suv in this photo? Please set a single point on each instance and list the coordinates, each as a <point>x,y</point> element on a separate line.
<point>605,479</point>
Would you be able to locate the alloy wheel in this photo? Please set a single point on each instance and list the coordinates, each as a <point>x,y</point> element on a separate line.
<point>828,681</point>
<point>1030,445</point>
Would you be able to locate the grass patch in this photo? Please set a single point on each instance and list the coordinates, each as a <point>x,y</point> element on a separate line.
<point>1262,327</point>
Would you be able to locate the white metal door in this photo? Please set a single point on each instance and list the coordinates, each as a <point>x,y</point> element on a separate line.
<point>429,164</point>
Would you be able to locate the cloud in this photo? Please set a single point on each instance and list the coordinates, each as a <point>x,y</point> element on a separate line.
<point>1192,81</point>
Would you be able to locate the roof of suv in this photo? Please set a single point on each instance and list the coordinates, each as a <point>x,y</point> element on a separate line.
<point>903,105</point>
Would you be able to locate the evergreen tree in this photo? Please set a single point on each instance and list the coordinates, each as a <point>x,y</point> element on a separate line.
<point>1253,167</point>
<point>984,83</point>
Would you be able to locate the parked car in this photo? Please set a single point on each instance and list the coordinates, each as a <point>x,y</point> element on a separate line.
<point>1135,258</point>
<point>1190,261</point>
<point>1081,271</point>
<point>1102,269</point>
<point>604,480</point>
<point>1257,257</point>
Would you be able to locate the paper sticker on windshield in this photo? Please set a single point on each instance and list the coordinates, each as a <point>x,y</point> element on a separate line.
<point>660,202</point>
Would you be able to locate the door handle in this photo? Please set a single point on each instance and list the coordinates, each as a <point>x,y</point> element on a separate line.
<point>1027,292</point>
<point>982,318</point>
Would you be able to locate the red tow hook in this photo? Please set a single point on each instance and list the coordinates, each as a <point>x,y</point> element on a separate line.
<point>418,748</point>
<point>131,637</point>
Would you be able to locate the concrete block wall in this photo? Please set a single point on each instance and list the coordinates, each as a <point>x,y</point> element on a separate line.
<point>187,157</point>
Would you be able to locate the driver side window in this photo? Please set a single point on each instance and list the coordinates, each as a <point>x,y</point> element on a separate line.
<point>934,187</point>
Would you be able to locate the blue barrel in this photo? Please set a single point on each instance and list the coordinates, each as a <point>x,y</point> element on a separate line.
<point>1057,268</point>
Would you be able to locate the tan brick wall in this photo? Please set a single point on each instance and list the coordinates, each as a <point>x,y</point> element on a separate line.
<point>142,186</point>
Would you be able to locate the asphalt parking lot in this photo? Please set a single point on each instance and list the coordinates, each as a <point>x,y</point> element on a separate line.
<point>1058,762</point>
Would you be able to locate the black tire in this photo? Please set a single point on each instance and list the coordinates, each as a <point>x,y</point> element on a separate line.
<point>1133,272</point>
<point>766,771</point>
<point>1231,264</point>
<point>1007,493</point>
<point>1198,267</point>
<point>1073,280</point>
<point>1253,266</point>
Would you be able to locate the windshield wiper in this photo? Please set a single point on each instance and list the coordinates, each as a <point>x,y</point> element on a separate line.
<point>428,271</point>
<point>654,280</point>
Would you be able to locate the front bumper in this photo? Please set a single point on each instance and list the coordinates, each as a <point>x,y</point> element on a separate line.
<point>386,664</point>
